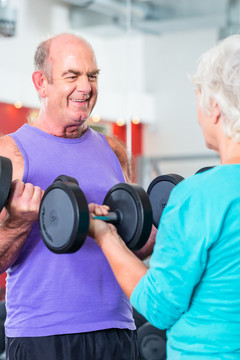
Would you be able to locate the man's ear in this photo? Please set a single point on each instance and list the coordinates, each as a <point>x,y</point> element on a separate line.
<point>216,111</point>
<point>39,81</point>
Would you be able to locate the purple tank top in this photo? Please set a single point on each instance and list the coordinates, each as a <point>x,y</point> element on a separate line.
<point>50,294</point>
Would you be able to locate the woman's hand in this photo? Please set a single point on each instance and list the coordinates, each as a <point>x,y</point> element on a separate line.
<point>127,268</point>
<point>98,229</point>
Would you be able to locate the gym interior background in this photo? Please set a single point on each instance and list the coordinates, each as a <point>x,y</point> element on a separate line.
<point>146,50</point>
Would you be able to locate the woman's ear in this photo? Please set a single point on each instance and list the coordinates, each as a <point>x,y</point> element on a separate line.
<point>216,111</point>
<point>39,81</point>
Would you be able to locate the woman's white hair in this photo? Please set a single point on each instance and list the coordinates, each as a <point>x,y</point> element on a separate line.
<point>218,77</point>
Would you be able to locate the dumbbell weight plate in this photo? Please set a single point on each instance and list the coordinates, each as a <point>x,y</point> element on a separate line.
<point>136,213</point>
<point>63,217</point>
<point>204,169</point>
<point>151,342</point>
<point>159,191</point>
<point>5,180</point>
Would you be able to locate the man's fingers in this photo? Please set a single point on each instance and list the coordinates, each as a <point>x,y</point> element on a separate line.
<point>17,188</point>
<point>24,197</point>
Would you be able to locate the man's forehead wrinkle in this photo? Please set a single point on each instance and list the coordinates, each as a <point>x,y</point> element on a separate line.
<point>77,72</point>
<point>71,71</point>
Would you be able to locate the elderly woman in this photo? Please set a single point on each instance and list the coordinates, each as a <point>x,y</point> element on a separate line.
<point>192,287</point>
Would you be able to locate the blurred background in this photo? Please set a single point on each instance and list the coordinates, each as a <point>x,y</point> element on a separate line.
<point>147,51</point>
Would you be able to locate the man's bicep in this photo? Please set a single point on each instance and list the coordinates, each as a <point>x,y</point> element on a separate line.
<point>9,149</point>
<point>119,148</point>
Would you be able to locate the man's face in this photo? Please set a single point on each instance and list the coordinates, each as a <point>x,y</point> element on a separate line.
<point>72,93</point>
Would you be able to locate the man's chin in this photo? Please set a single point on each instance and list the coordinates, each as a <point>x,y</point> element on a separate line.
<point>81,116</point>
<point>81,119</point>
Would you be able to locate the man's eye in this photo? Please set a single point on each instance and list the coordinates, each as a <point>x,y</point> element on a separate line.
<point>92,77</point>
<point>71,77</point>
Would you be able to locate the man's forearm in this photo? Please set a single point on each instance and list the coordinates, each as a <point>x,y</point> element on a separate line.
<point>12,239</point>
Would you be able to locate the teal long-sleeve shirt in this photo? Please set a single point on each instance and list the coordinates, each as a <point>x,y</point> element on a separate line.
<point>192,287</point>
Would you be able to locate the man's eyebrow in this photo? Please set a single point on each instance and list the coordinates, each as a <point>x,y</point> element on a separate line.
<point>70,71</point>
<point>78,73</point>
<point>94,72</point>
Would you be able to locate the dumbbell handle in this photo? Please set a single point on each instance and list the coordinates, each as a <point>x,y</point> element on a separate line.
<point>112,217</point>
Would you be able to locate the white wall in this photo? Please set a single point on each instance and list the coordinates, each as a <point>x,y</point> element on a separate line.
<point>142,75</point>
<point>167,74</point>
<point>35,21</point>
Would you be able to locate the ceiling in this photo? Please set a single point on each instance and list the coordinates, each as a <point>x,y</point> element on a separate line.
<point>7,19</point>
<point>147,16</point>
<point>157,16</point>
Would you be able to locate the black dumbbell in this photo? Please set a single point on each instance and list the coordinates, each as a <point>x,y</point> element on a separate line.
<point>151,342</point>
<point>64,215</point>
<point>2,328</point>
<point>160,189</point>
<point>5,180</point>
<point>205,168</point>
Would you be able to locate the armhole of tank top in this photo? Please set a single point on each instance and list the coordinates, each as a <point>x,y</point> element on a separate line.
<point>25,157</point>
<point>115,160</point>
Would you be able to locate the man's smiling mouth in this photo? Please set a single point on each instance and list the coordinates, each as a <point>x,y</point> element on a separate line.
<point>78,100</point>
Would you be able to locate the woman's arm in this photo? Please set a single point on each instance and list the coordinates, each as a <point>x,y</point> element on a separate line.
<point>127,268</point>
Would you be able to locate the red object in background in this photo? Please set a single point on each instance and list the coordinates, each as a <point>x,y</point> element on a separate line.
<point>137,139</point>
<point>2,280</point>
<point>2,286</point>
<point>120,132</point>
<point>12,118</point>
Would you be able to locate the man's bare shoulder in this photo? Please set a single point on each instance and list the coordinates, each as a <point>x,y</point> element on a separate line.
<point>9,149</point>
<point>120,150</point>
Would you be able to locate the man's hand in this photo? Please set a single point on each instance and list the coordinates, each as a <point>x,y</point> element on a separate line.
<point>23,203</point>
<point>17,218</point>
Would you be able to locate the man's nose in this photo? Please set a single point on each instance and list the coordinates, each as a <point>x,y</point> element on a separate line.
<point>83,85</point>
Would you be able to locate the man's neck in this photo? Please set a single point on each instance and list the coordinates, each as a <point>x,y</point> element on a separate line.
<point>70,131</point>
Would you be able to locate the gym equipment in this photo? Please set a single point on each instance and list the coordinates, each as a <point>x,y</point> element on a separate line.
<point>2,328</point>
<point>204,169</point>
<point>64,215</point>
<point>151,342</point>
<point>159,191</point>
<point>139,319</point>
<point>2,337</point>
<point>5,180</point>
